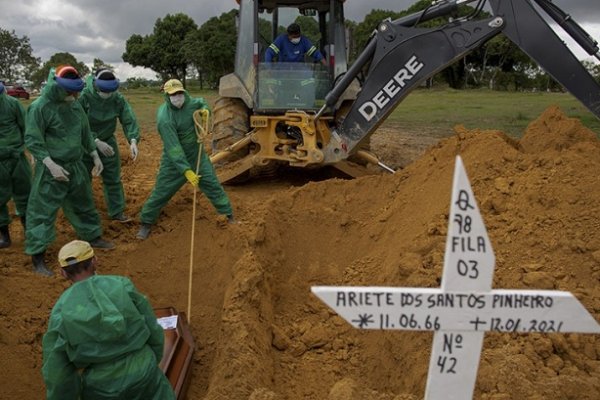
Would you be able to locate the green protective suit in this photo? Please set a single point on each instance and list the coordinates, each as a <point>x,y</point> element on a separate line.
<point>103,342</point>
<point>180,153</point>
<point>15,171</point>
<point>103,114</point>
<point>59,130</point>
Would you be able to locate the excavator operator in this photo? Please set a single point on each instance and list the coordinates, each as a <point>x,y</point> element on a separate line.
<point>292,47</point>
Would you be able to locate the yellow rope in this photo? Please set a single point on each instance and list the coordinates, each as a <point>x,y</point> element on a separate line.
<point>201,125</point>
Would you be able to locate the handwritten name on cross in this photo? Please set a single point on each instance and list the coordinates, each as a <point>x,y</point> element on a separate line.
<point>464,307</point>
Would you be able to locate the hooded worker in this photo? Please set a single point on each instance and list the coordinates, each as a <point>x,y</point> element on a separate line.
<point>103,340</point>
<point>103,105</point>
<point>179,157</point>
<point>57,135</point>
<point>15,171</point>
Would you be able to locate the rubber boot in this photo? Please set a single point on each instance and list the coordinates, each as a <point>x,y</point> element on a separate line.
<point>121,217</point>
<point>100,243</point>
<point>144,232</point>
<point>4,237</point>
<point>39,265</point>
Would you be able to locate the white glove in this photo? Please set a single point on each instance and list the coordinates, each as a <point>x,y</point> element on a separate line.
<point>58,172</point>
<point>105,148</point>
<point>134,149</point>
<point>98,167</point>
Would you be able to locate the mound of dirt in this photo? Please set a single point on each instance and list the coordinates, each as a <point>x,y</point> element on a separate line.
<point>262,335</point>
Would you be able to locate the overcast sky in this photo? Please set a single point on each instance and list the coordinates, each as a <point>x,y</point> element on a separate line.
<point>91,29</point>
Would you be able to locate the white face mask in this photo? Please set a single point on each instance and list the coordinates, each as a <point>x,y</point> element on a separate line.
<point>177,100</point>
<point>104,95</point>
<point>70,98</point>
<point>295,40</point>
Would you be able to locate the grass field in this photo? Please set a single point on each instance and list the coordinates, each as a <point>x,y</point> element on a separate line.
<point>509,112</point>
<point>430,110</point>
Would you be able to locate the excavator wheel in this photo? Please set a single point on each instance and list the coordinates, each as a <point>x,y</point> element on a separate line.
<point>231,121</point>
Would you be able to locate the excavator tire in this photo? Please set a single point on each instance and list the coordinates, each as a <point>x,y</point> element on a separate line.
<point>231,121</point>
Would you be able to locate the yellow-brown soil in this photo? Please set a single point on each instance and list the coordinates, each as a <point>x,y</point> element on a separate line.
<point>262,335</point>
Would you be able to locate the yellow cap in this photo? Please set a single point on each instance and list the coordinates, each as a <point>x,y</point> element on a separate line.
<point>173,86</point>
<point>74,252</point>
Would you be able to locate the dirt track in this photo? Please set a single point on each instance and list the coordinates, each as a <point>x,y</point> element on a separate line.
<point>262,335</point>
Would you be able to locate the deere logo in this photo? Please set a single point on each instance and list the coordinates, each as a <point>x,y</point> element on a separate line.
<point>404,75</point>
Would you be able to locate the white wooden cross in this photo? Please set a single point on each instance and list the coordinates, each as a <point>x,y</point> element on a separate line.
<point>464,307</point>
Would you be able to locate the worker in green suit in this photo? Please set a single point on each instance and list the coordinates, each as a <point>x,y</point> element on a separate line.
<point>103,104</point>
<point>103,340</point>
<point>15,171</point>
<point>57,135</point>
<point>179,157</point>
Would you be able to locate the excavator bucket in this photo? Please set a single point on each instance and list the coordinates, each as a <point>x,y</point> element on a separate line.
<point>178,349</point>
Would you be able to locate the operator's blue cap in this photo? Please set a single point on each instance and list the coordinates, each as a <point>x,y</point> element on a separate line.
<point>106,81</point>
<point>68,78</point>
<point>1,87</point>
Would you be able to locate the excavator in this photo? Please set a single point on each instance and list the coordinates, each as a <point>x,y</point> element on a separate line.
<point>310,115</point>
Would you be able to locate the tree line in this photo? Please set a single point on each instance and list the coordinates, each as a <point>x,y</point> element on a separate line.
<point>179,48</point>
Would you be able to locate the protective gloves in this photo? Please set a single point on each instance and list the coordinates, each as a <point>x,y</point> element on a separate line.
<point>105,148</point>
<point>134,149</point>
<point>58,172</point>
<point>98,167</point>
<point>205,113</point>
<point>192,177</point>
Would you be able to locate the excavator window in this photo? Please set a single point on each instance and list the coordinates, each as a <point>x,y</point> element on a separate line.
<point>285,85</point>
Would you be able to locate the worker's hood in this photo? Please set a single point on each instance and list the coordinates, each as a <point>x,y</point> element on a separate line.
<point>52,91</point>
<point>92,313</point>
<point>89,86</point>
<point>100,320</point>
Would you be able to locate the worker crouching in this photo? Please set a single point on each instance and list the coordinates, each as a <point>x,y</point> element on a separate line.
<point>103,340</point>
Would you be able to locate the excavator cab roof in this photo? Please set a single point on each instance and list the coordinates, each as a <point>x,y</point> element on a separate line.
<point>321,5</point>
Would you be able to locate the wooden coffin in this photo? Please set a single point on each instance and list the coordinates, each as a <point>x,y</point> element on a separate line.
<point>178,353</point>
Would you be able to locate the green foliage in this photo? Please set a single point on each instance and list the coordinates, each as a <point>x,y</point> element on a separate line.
<point>364,30</point>
<point>98,63</point>
<point>499,64</point>
<point>163,50</point>
<point>136,83</point>
<point>57,59</point>
<point>16,57</point>
<point>310,28</point>
<point>212,48</point>
<point>593,69</point>
<point>265,32</point>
